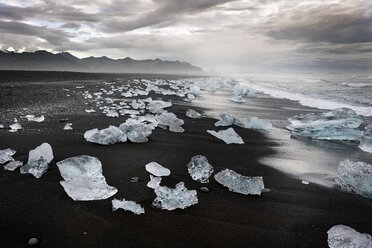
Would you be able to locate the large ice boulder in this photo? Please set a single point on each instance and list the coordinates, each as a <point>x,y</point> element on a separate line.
<point>179,197</point>
<point>240,184</point>
<point>170,120</point>
<point>258,124</point>
<point>107,136</point>
<point>83,179</point>
<point>366,140</point>
<point>38,160</point>
<point>341,236</point>
<point>229,136</point>
<point>199,169</point>
<point>338,124</point>
<point>136,131</point>
<point>355,177</point>
<point>127,206</point>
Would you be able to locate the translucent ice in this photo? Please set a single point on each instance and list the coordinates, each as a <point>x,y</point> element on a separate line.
<point>12,165</point>
<point>366,140</point>
<point>83,179</point>
<point>170,120</point>
<point>192,114</point>
<point>68,126</point>
<point>38,160</point>
<point>195,90</point>
<point>157,170</point>
<point>112,113</point>
<point>15,127</point>
<point>339,124</point>
<point>136,131</point>
<point>255,123</point>
<point>228,120</point>
<point>154,182</point>
<point>229,136</point>
<point>127,206</point>
<point>238,99</point>
<point>190,96</point>
<point>36,119</point>
<point>6,155</point>
<point>240,184</point>
<point>199,169</point>
<point>107,136</point>
<point>243,90</point>
<point>355,177</point>
<point>158,106</point>
<point>170,199</point>
<point>341,236</point>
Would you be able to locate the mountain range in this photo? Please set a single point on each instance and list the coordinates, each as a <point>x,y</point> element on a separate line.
<point>45,61</point>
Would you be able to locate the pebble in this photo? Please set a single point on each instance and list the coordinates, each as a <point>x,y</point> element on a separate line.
<point>204,189</point>
<point>134,179</point>
<point>33,241</point>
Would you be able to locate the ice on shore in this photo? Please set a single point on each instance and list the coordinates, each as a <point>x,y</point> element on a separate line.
<point>240,184</point>
<point>238,99</point>
<point>6,155</point>
<point>195,90</point>
<point>36,119</point>
<point>193,114</point>
<point>170,120</point>
<point>157,169</point>
<point>1,126</point>
<point>199,169</point>
<point>229,136</point>
<point>136,131</point>
<point>127,206</point>
<point>366,140</point>
<point>355,177</point>
<point>228,120</point>
<point>68,126</point>
<point>339,124</point>
<point>158,106</point>
<point>90,110</point>
<point>258,124</point>
<point>243,90</point>
<point>15,127</point>
<point>12,165</point>
<point>190,96</point>
<point>171,199</point>
<point>154,182</point>
<point>112,113</point>
<point>341,236</point>
<point>38,160</point>
<point>107,136</point>
<point>83,179</point>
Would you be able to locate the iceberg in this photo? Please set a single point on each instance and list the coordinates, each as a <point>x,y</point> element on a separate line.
<point>199,169</point>
<point>171,199</point>
<point>355,177</point>
<point>83,179</point>
<point>366,140</point>
<point>12,165</point>
<point>38,160</point>
<point>6,155</point>
<point>341,236</point>
<point>229,136</point>
<point>36,119</point>
<point>228,120</point>
<point>170,120</point>
<point>158,106</point>
<point>240,184</point>
<point>68,126</point>
<point>127,206</point>
<point>192,114</point>
<point>339,124</point>
<point>136,131</point>
<point>157,170</point>
<point>258,124</point>
<point>107,136</point>
<point>154,182</point>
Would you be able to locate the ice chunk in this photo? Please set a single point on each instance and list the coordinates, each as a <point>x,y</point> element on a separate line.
<point>83,179</point>
<point>366,140</point>
<point>138,105</point>
<point>90,110</point>
<point>1,126</point>
<point>12,165</point>
<point>339,124</point>
<point>15,127</point>
<point>229,136</point>
<point>240,184</point>
<point>6,155</point>
<point>190,96</point>
<point>127,206</point>
<point>238,99</point>
<point>255,123</point>
<point>36,119</point>
<point>195,90</point>
<point>158,106</point>
<point>154,182</point>
<point>68,126</point>
<point>136,131</point>
<point>228,120</point>
<point>38,160</point>
<point>199,169</point>
<point>355,177</point>
<point>170,120</point>
<point>243,90</point>
<point>107,136</point>
<point>192,114</point>
<point>341,236</point>
<point>157,170</point>
<point>112,113</point>
<point>170,199</point>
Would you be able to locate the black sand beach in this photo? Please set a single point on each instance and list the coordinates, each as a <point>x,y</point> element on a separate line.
<point>291,214</point>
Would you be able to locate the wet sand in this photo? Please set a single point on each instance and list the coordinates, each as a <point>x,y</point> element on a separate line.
<point>290,215</point>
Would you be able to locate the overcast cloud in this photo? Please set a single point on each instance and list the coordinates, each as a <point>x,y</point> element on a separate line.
<point>217,35</point>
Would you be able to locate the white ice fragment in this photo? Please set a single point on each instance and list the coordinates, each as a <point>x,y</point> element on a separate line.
<point>195,90</point>
<point>305,182</point>
<point>107,136</point>
<point>238,99</point>
<point>258,124</point>
<point>170,120</point>
<point>193,114</point>
<point>341,236</point>
<point>229,136</point>
<point>366,140</point>
<point>127,206</point>
<point>243,90</point>
<point>112,113</point>
<point>199,169</point>
<point>15,127</point>
<point>6,155</point>
<point>355,177</point>
<point>240,184</point>
<point>158,106</point>
<point>136,131</point>
<point>170,199</point>
<point>36,119</point>
<point>12,165</point>
<point>190,96</point>
<point>38,160</point>
<point>1,126</point>
<point>338,124</point>
<point>68,126</point>
<point>90,110</point>
<point>83,179</point>
<point>157,170</point>
<point>228,120</point>
<point>154,182</point>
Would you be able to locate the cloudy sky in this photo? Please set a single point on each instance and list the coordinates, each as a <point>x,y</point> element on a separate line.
<point>217,35</point>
